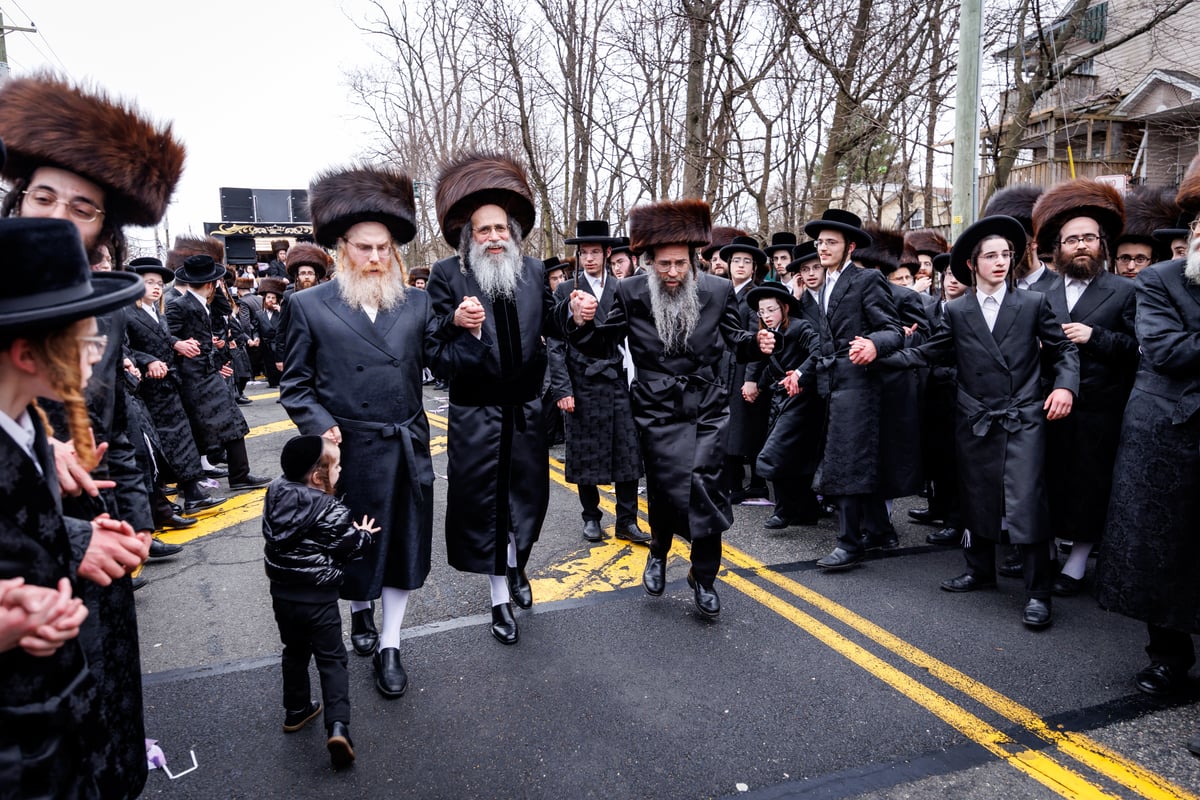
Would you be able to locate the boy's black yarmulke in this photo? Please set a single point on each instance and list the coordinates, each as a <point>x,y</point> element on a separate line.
<point>300,455</point>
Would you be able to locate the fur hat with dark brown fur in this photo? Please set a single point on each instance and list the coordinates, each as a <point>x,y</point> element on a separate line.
<point>186,246</point>
<point>1016,202</point>
<point>1148,209</point>
<point>1082,197</point>
<point>280,244</point>
<point>721,236</point>
<point>46,121</point>
<point>306,254</point>
<point>243,283</point>
<point>686,222</point>
<point>275,286</point>
<point>927,242</point>
<point>883,254</point>
<point>477,179</point>
<point>1188,197</point>
<point>341,198</point>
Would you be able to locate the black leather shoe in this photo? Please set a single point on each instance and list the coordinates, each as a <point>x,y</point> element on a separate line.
<point>176,508</point>
<point>175,522</point>
<point>216,472</point>
<point>160,549</point>
<point>881,541</point>
<point>341,749</point>
<point>1066,586</point>
<point>196,506</point>
<point>138,582</point>
<point>1193,745</point>
<point>1161,680</point>
<point>249,481</point>
<point>927,516</point>
<point>967,582</point>
<point>630,532</point>
<point>390,678</point>
<point>242,400</point>
<point>654,577</point>
<point>295,720</point>
<point>592,531</point>
<point>364,636</point>
<point>839,559</point>
<point>518,587</point>
<point>504,625</point>
<point>1036,614</point>
<point>706,597</point>
<point>1012,566</point>
<point>776,523</point>
<point>946,537</point>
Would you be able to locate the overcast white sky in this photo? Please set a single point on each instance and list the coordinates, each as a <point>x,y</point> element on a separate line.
<point>255,89</point>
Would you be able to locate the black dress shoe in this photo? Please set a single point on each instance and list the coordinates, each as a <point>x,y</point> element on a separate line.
<point>364,636</point>
<point>706,597</point>
<point>1193,745</point>
<point>196,506</point>
<point>630,532</point>
<point>1161,680</point>
<point>946,537</point>
<point>504,625</point>
<point>138,582</point>
<point>176,508</point>
<point>175,522</point>
<point>295,720</point>
<point>518,587</point>
<point>592,531</point>
<point>249,481</point>
<point>1012,566</point>
<point>390,678</point>
<point>341,749</point>
<point>776,523</point>
<point>1036,614</point>
<point>242,400</point>
<point>839,559</point>
<point>160,549</point>
<point>881,541</point>
<point>1066,586</point>
<point>216,472</point>
<point>927,516</point>
<point>967,582</point>
<point>654,577</point>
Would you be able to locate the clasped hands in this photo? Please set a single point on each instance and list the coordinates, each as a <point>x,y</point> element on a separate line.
<point>470,315</point>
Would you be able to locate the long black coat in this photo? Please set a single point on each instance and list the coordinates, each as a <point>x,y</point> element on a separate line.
<point>1151,553</point>
<point>1001,424</point>
<point>365,378</point>
<point>939,409</point>
<point>1081,449</point>
<point>860,305</point>
<point>680,402</point>
<point>747,421</point>
<point>151,340</point>
<point>793,444</point>
<point>207,397</point>
<point>48,722</point>
<point>498,469</point>
<point>269,334</point>
<point>902,396</point>
<point>601,437</point>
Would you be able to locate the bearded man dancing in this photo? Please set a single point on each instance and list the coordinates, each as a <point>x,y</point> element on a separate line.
<point>679,321</point>
<point>490,297</point>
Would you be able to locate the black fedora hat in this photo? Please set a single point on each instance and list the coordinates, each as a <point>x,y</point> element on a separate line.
<point>621,246</point>
<point>940,262</point>
<point>552,263</point>
<point>998,225</point>
<point>844,222</point>
<point>744,244</point>
<point>782,240</point>
<point>802,254</point>
<point>198,270</point>
<point>775,291</point>
<point>48,281</point>
<point>1180,231</point>
<point>151,265</point>
<point>592,231</point>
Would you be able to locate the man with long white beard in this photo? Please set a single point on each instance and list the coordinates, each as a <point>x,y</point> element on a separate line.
<point>679,322</point>
<point>1150,561</point>
<point>489,299</point>
<point>356,348</point>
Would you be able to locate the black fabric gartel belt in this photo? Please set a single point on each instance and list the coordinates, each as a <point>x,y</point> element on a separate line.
<point>1011,418</point>
<point>394,430</point>
<point>686,388</point>
<point>609,368</point>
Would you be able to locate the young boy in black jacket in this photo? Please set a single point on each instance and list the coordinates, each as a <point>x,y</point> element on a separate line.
<point>309,537</point>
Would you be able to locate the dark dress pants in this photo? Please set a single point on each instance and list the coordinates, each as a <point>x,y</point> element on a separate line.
<point>313,631</point>
<point>1035,563</point>
<point>626,491</point>
<point>706,554</point>
<point>851,517</point>
<point>1171,647</point>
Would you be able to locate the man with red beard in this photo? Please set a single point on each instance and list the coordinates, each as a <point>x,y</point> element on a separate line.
<point>1078,221</point>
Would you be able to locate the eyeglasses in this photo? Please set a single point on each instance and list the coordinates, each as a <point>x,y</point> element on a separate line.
<point>1141,261</point>
<point>95,345</point>
<point>1003,255</point>
<point>1073,241</point>
<point>828,242</point>
<point>368,250</point>
<point>763,313</point>
<point>810,268</point>
<point>679,265</point>
<point>81,210</point>
<point>1194,226</point>
<point>487,230</point>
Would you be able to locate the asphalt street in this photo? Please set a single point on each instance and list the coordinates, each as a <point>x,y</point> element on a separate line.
<point>870,683</point>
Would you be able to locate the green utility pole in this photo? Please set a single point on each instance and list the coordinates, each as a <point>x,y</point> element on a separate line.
<point>966,119</point>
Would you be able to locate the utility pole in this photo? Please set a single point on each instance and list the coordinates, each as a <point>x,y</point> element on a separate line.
<point>966,118</point>
<point>4,29</point>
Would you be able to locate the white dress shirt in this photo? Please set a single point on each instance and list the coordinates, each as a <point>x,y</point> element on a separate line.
<point>1075,289</point>
<point>990,304</point>
<point>831,279</point>
<point>1032,277</point>
<point>597,284</point>
<point>149,309</point>
<point>201,298</point>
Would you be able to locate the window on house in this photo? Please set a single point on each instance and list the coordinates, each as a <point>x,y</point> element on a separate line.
<point>917,220</point>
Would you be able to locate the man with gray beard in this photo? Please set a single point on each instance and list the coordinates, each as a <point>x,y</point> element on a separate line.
<point>1150,561</point>
<point>679,321</point>
<point>495,304</point>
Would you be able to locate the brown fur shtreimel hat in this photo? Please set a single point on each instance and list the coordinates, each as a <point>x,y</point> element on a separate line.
<point>474,180</point>
<point>341,198</point>
<point>1082,197</point>
<point>687,222</point>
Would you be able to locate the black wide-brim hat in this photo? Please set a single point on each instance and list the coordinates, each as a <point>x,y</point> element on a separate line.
<point>148,265</point>
<point>198,270</point>
<point>1180,231</point>
<point>744,244</point>
<point>552,263</point>
<point>783,240</point>
<point>48,282</point>
<point>940,262</point>
<point>844,222</point>
<point>999,225</point>
<point>776,291</point>
<point>801,255</point>
<point>592,231</point>
<point>621,246</point>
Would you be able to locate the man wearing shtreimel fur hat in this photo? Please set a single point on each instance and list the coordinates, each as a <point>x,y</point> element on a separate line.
<point>494,302</point>
<point>1080,221</point>
<point>79,154</point>
<point>679,322</point>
